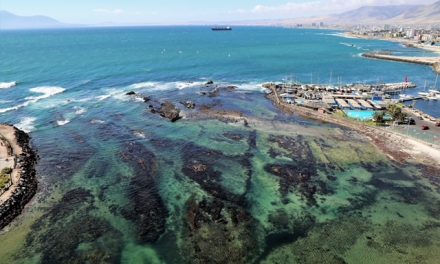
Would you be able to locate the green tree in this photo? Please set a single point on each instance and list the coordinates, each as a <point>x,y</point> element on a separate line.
<point>379,117</point>
<point>396,113</point>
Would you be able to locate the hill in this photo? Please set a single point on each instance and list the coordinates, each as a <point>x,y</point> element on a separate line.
<point>12,21</point>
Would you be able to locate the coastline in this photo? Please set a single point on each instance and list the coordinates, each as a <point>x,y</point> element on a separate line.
<point>24,182</point>
<point>433,62</point>
<point>408,43</point>
<point>398,147</point>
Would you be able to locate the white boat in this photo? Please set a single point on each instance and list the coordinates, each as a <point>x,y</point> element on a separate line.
<point>424,94</point>
<point>432,96</point>
<point>405,96</point>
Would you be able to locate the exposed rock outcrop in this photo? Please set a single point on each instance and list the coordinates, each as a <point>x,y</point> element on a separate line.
<point>167,110</point>
<point>26,187</point>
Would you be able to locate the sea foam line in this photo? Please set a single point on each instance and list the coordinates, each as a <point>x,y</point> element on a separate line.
<point>45,91</point>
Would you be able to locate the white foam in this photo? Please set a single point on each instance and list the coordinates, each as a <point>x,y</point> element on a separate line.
<point>26,124</point>
<point>7,85</point>
<point>143,85</point>
<point>46,91</point>
<point>63,122</point>
<point>163,86</point>
<point>251,87</point>
<point>80,110</point>
<point>139,134</point>
<point>97,121</point>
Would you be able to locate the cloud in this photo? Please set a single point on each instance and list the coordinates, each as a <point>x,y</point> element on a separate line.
<point>324,7</point>
<point>109,11</point>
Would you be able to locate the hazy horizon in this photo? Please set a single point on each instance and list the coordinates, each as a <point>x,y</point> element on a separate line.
<point>140,12</point>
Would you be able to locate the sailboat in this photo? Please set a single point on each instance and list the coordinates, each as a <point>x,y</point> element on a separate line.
<point>424,93</point>
<point>434,94</point>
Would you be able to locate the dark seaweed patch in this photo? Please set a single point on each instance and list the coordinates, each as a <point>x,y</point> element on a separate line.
<point>219,232</point>
<point>148,212</point>
<point>58,234</point>
<point>199,166</point>
<point>301,178</point>
<point>302,175</point>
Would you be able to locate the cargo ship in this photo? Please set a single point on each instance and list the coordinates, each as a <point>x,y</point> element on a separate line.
<point>221,28</point>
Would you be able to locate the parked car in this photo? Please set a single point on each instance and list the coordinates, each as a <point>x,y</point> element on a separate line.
<point>425,127</point>
<point>437,124</point>
<point>406,121</point>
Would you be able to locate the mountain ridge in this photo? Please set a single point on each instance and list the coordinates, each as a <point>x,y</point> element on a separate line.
<point>9,20</point>
<point>391,14</point>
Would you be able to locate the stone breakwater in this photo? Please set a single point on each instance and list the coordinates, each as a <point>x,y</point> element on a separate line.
<point>26,186</point>
<point>434,62</point>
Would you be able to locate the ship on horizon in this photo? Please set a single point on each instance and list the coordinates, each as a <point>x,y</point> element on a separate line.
<point>221,28</point>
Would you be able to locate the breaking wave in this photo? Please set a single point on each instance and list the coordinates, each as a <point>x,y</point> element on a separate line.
<point>63,122</point>
<point>7,85</point>
<point>45,91</point>
<point>26,124</point>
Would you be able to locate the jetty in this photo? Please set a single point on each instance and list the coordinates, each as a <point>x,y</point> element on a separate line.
<point>434,62</point>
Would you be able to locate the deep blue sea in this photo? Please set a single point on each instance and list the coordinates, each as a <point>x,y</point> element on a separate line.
<point>118,184</point>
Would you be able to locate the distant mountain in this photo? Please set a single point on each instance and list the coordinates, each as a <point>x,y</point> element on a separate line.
<point>12,21</point>
<point>401,14</point>
<point>421,15</point>
<point>375,13</point>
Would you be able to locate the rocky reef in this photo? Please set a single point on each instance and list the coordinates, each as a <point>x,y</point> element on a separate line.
<point>26,187</point>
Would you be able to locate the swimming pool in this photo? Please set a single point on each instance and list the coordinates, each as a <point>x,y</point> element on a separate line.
<point>360,115</point>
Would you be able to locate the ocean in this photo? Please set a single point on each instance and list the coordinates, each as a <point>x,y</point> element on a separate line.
<point>118,184</point>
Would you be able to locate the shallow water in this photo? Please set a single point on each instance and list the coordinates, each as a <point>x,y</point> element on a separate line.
<point>121,185</point>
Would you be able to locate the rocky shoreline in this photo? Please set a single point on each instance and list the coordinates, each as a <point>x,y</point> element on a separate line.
<point>398,147</point>
<point>26,187</point>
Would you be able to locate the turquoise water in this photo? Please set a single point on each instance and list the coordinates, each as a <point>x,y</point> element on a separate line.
<point>361,115</point>
<point>119,184</point>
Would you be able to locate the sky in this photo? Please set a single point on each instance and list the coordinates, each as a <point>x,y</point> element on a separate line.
<point>121,12</point>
